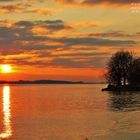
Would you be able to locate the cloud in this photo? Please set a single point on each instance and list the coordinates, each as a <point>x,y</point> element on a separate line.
<point>16,7</point>
<point>107,1</point>
<point>20,0</point>
<point>83,2</point>
<point>96,2</point>
<point>44,49</point>
<point>95,41</point>
<point>46,24</point>
<point>56,25</point>
<point>35,1</point>
<point>112,34</point>
<point>24,23</point>
<point>5,9</point>
<point>41,11</point>
<point>20,34</point>
<point>7,0</point>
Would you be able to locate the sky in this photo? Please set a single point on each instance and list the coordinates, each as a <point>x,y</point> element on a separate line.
<point>65,39</point>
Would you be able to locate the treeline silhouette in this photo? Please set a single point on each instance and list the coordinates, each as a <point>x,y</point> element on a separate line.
<point>123,70</point>
<point>41,82</point>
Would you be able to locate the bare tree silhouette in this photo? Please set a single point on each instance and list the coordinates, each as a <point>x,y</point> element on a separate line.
<point>118,68</point>
<point>134,72</point>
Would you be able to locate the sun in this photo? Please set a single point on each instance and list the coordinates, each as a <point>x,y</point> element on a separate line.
<point>6,68</point>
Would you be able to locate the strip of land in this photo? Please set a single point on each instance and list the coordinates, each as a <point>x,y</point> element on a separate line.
<point>41,82</point>
<point>122,88</point>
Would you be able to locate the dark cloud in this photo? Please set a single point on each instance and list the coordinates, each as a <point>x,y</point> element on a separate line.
<point>11,35</point>
<point>138,33</point>
<point>55,24</point>
<point>83,2</point>
<point>66,62</point>
<point>41,47</point>
<point>13,39</point>
<point>22,30</point>
<point>97,2</point>
<point>47,24</point>
<point>95,41</point>
<point>108,1</point>
<point>24,23</point>
<point>112,34</point>
<point>18,39</point>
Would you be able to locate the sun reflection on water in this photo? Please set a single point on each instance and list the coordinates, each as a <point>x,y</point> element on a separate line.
<point>7,132</point>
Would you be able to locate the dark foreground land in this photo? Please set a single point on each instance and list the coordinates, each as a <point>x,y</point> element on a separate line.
<point>122,88</point>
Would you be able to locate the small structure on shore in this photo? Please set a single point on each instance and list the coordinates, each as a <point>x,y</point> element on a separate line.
<point>123,72</point>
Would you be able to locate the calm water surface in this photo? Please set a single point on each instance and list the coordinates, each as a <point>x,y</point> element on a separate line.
<point>68,112</point>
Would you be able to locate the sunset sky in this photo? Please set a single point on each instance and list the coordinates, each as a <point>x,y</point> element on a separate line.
<point>65,39</point>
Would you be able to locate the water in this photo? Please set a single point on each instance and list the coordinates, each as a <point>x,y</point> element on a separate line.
<point>68,112</point>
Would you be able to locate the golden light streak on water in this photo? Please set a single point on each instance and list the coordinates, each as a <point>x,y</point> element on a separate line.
<point>7,132</point>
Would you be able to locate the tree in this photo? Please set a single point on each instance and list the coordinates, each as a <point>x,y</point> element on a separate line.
<point>134,72</point>
<point>118,68</point>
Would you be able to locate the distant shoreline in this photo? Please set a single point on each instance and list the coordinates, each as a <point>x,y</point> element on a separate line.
<point>41,82</point>
<point>47,82</point>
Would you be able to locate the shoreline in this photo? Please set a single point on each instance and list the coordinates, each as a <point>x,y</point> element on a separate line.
<point>122,88</point>
<point>47,82</point>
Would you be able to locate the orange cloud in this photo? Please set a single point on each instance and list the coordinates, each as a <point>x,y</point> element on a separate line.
<point>41,11</point>
<point>31,46</point>
<point>4,9</point>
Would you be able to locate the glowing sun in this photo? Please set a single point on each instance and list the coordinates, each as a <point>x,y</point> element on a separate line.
<point>6,68</point>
